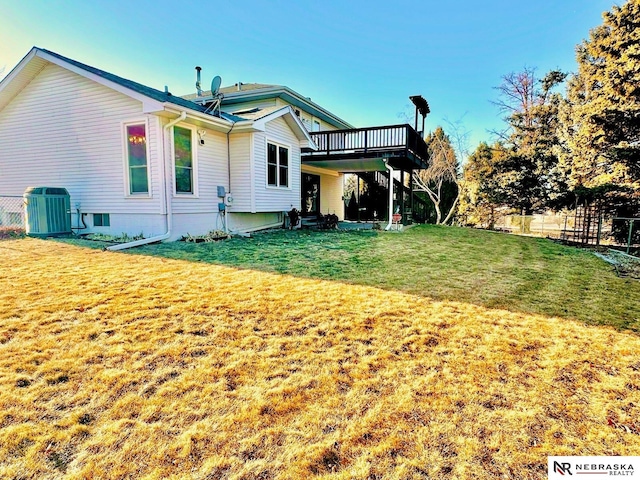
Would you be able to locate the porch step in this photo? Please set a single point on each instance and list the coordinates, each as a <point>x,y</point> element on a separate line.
<point>307,222</point>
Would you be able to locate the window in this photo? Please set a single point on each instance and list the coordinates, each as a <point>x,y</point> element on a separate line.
<point>283,157</point>
<point>277,165</point>
<point>316,126</point>
<point>183,156</point>
<point>137,166</point>
<point>101,220</point>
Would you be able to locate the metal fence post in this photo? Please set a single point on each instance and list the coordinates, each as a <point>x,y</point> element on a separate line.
<point>630,232</point>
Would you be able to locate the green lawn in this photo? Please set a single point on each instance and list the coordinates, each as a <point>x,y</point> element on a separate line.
<point>489,269</point>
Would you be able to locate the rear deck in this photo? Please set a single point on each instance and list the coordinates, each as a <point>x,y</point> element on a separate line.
<point>355,150</point>
<point>369,152</point>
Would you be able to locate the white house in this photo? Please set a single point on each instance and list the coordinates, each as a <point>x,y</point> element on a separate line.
<point>138,160</point>
<point>321,188</point>
<point>374,154</point>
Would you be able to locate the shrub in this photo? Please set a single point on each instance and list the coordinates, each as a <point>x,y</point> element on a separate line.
<point>11,232</point>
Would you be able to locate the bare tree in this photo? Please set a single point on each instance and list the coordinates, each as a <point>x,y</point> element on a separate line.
<point>520,97</point>
<point>459,137</point>
<point>443,169</point>
<point>445,151</point>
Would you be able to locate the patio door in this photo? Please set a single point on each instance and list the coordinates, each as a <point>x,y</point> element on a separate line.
<point>310,195</point>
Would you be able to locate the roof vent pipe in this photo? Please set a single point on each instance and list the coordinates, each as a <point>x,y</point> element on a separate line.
<point>198,84</point>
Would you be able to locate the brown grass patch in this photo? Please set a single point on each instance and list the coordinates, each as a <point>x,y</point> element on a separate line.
<point>121,366</point>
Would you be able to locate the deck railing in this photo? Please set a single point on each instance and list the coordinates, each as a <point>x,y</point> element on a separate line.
<point>371,140</point>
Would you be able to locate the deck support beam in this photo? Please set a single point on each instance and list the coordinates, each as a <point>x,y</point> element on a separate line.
<point>390,169</point>
<point>402,193</point>
<point>411,194</point>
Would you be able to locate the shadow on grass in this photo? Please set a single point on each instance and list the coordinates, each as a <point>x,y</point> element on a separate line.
<point>520,274</point>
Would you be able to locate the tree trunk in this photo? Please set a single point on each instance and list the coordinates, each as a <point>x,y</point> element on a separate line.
<point>452,209</point>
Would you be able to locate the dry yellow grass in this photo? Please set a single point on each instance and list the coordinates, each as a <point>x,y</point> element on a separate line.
<point>120,366</point>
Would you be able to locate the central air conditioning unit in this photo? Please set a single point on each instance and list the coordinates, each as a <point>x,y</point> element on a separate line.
<point>47,211</point>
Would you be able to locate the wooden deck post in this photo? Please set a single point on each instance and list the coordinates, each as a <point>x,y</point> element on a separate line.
<point>411,195</point>
<point>402,192</point>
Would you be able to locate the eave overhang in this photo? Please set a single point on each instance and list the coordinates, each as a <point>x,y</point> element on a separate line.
<point>289,96</point>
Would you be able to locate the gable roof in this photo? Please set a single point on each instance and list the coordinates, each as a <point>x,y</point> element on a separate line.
<point>38,58</point>
<point>246,92</point>
<point>150,92</point>
<point>153,100</point>
<point>259,117</point>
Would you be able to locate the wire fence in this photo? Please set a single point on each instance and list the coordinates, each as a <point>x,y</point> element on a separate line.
<point>630,227</point>
<point>537,225</point>
<point>11,211</point>
<point>577,227</point>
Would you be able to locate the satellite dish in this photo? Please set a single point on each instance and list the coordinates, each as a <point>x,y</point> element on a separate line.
<point>215,85</point>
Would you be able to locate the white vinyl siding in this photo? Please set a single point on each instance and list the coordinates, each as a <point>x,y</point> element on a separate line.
<point>308,120</point>
<point>270,199</point>
<point>64,130</point>
<point>210,171</point>
<point>242,173</point>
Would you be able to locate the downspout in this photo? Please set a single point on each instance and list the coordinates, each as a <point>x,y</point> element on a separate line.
<point>167,196</point>
<point>386,164</point>
<point>226,213</point>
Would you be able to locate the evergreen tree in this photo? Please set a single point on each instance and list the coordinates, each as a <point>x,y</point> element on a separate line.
<point>482,191</point>
<point>601,116</point>
<point>527,173</point>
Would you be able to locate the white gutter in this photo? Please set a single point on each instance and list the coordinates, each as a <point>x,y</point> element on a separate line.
<point>388,227</point>
<point>167,196</point>
<point>217,124</point>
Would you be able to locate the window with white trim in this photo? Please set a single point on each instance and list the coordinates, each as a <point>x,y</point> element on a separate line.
<point>277,165</point>
<point>136,158</point>
<point>184,164</point>
<point>101,220</point>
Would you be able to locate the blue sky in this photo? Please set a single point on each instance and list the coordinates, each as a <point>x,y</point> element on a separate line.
<point>359,59</point>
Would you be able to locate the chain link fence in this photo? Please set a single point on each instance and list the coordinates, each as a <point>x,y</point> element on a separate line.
<point>11,211</point>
